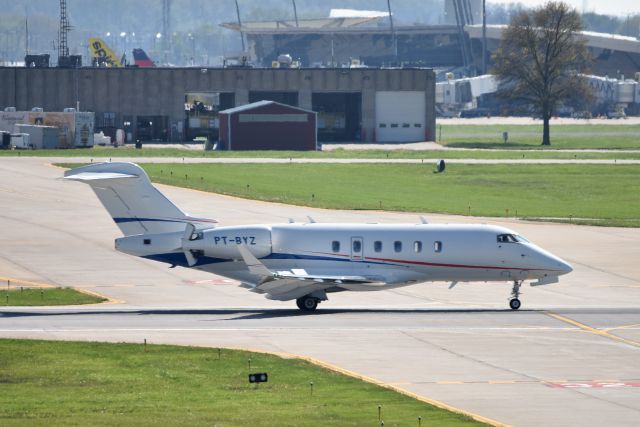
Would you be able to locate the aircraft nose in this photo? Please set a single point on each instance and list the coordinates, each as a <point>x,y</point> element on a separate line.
<point>565,267</point>
<point>556,264</point>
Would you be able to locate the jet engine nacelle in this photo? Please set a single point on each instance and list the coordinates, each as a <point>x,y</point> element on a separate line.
<point>149,244</point>
<point>223,242</point>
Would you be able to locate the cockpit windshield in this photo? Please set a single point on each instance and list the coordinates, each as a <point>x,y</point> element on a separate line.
<point>511,238</point>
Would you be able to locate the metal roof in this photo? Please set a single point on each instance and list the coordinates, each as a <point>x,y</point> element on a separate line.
<point>307,24</point>
<point>259,104</point>
<point>594,40</point>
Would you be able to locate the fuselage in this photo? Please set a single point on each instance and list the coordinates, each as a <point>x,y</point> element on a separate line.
<point>393,255</point>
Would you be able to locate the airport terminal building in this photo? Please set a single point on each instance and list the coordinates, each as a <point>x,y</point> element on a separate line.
<point>179,104</point>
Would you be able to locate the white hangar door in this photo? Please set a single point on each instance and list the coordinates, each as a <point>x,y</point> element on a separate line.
<point>400,116</point>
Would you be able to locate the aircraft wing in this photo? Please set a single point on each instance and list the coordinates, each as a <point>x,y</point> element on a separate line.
<point>288,289</point>
<point>287,285</point>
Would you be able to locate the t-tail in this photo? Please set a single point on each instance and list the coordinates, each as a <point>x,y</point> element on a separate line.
<point>135,205</point>
<point>141,59</point>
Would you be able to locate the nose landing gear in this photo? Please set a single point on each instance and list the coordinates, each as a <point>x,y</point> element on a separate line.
<point>514,302</point>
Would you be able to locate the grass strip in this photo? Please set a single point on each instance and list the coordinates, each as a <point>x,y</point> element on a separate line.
<point>529,137</point>
<point>74,383</point>
<point>101,154</point>
<point>590,194</point>
<point>19,296</point>
<point>606,193</point>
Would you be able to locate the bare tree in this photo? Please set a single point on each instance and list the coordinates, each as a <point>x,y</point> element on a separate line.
<point>539,59</point>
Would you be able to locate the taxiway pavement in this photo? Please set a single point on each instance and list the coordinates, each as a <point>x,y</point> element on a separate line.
<point>570,356</point>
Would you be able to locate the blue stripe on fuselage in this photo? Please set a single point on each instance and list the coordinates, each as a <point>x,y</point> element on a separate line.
<point>178,258</point>
<point>122,219</point>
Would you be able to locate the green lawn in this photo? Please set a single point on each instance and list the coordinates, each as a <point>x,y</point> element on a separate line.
<point>529,137</point>
<point>607,194</point>
<point>489,138</point>
<point>45,296</point>
<point>71,383</point>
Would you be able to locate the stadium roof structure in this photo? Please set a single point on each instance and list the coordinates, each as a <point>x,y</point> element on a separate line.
<point>356,13</point>
<point>303,24</point>
<point>594,40</point>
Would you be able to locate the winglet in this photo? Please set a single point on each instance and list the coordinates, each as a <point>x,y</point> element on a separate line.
<point>423,220</point>
<point>254,266</point>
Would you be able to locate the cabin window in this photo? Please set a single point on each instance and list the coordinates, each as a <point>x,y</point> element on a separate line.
<point>437,246</point>
<point>146,241</point>
<point>357,246</point>
<point>377,246</point>
<point>397,246</point>
<point>417,246</point>
<point>511,238</point>
<point>335,246</point>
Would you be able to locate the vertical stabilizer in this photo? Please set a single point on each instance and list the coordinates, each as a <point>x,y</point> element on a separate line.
<point>135,205</point>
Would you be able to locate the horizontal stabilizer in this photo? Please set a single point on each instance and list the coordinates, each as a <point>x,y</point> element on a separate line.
<point>94,176</point>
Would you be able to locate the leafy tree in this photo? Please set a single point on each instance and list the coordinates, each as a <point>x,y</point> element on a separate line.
<point>539,59</point>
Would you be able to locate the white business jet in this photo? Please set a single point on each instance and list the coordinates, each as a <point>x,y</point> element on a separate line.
<point>305,262</point>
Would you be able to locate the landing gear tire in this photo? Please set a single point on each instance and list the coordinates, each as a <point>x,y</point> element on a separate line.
<point>514,302</point>
<point>307,303</point>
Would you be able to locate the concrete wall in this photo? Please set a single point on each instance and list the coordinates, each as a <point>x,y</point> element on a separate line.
<point>160,91</point>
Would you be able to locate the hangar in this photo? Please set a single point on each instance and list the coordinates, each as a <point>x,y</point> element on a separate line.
<point>267,125</point>
<point>178,104</point>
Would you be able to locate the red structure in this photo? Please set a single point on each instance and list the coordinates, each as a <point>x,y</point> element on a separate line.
<point>268,125</point>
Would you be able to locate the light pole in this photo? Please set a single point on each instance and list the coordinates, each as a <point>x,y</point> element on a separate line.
<point>155,42</point>
<point>484,37</point>
<point>123,46</point>
<point>193,48</point>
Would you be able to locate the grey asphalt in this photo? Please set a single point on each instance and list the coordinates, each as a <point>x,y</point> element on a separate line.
<point>570,356</point>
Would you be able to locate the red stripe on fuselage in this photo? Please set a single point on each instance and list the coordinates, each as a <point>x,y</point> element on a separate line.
<point>433,264</point>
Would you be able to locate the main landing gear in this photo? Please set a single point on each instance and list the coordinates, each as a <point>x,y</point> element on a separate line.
<point>307,303</point>
<point>514,302</point>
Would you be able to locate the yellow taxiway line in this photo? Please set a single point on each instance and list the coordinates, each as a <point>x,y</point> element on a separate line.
<point>601,332</point>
